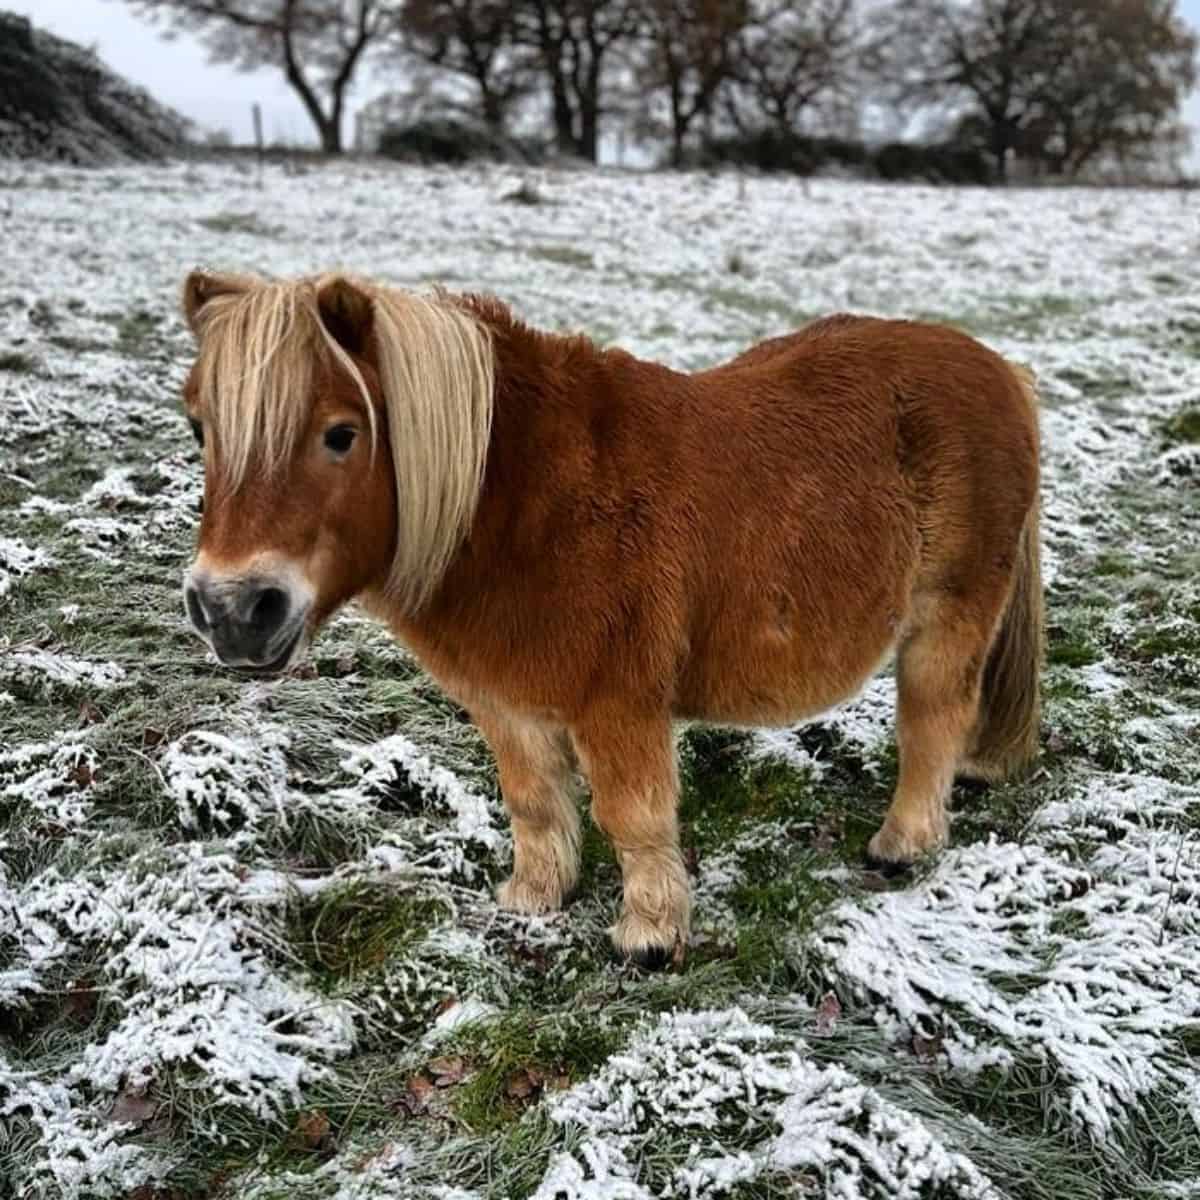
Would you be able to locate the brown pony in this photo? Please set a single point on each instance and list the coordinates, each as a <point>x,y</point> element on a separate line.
<point>582,547</point>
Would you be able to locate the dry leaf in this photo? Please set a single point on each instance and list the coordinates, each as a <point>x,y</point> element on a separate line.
<point>152,737</point>
<point>927,1048</point>
<point>132,1108</point>
<point>524,1083</point>
<point>447,1071</point>
<point>81,1002</point>
<point>827,834</point>
<point>82,775</point>
<point>828,1012</point>
<point>416,1095</point>
<point>313,1131</point>
<point>89,714</point>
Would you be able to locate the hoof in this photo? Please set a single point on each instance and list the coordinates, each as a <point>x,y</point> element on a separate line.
<point>650,958</point>
<point>896,847</point>
<point>888,868</point>
<point>647,944</point>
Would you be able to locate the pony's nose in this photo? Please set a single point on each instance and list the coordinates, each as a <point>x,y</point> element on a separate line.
<point>242,618</point>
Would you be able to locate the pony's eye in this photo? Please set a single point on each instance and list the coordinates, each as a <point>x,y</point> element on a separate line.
<point>340,438</point>
<point>197,430</point>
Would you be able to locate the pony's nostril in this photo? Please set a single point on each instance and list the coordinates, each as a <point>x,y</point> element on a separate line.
<point>270,609</point>
<point>195,610</point>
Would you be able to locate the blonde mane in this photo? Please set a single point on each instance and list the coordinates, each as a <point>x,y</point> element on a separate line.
<point>261,343</point>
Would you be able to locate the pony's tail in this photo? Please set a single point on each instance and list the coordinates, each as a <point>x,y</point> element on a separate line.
<point>1005,737</point>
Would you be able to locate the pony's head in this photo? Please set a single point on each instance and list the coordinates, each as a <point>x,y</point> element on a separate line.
<point>344,430</point>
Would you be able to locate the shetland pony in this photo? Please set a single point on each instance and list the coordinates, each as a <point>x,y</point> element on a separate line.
<point>582,547</point>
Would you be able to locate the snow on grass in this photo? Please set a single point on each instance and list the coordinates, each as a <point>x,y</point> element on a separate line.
<point>379,767</point>
<point>47,669</point>
<point>199,1007</point>
<point>1080,959</point>
<point>239,783</point>
<point>753,1105</point>
<point>202,992</point>
<point>81,1152</point>
<point>226,781</point>
<point>18,560</point>
<point>50,779</point>
<point>226,903</point>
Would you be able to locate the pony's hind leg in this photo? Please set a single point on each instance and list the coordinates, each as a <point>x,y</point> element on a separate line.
<point>938,677</point>
<point>536,769</point>
<point>630,763</point>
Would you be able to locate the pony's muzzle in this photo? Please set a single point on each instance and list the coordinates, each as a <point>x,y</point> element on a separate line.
<point>249,622</point>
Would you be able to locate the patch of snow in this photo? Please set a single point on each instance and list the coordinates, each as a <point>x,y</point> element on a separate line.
<point>1081,963</point>
<point>378,768</point>
<point>197,995</point>
<point>60,669</point>
<point>718,1077</point>
<point>52,779</point>
<point>464,1012</point>
<point>18,559</point>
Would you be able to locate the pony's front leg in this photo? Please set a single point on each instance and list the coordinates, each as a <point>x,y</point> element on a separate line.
<point>536,771</point>
<point>630,763</point>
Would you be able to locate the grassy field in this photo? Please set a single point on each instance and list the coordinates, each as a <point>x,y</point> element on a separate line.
<point>248,945</point>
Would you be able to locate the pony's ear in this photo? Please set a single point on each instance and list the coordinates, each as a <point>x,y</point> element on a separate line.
<point>347,312</point>
<point>200,287</point>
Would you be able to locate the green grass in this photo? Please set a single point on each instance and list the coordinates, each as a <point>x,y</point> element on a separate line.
<point>17,362</point>
<point>401,947</point>
<point>565,256</point>
<point>137,330</point>
<point>239,222</point>
<point>1184,427</point>
<point>513,1060</point>
<point>348,931</point>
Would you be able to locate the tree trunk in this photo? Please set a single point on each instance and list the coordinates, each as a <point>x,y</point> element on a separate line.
<point>564,117</point>
<point>331,135</point>
<point>329,128</point>
<point>1000,150</point>
<point>493,108</point>
<point>589,111</point>
<point>679,122</point>
<point>589,132</point>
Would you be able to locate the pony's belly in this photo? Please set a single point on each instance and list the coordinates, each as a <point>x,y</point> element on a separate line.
<point>772,680</point>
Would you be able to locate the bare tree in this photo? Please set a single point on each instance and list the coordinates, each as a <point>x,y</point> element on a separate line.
<point>1057,81</point>
<point>791,57</point>
<point>475,40</point>
<point>318,44</point>
<point>1116,86</point>
<point>690,50</point>
<point>575,42</point>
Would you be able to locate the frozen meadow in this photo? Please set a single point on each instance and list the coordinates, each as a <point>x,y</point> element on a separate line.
<point>248,944</point>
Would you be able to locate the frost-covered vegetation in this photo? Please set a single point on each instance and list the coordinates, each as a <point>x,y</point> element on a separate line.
<point>59,102</point>
<point>248,945</point>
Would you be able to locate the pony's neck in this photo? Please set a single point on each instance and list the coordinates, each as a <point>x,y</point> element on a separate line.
<point>533,363</point>
<point>548,387</point>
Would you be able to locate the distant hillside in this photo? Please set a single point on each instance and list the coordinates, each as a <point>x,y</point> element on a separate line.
<point>58,101</point>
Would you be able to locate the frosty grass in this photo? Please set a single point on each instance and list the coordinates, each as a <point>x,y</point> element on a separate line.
<point>248,945</point>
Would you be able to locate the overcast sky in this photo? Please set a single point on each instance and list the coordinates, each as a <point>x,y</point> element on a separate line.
<point>179,74</point>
